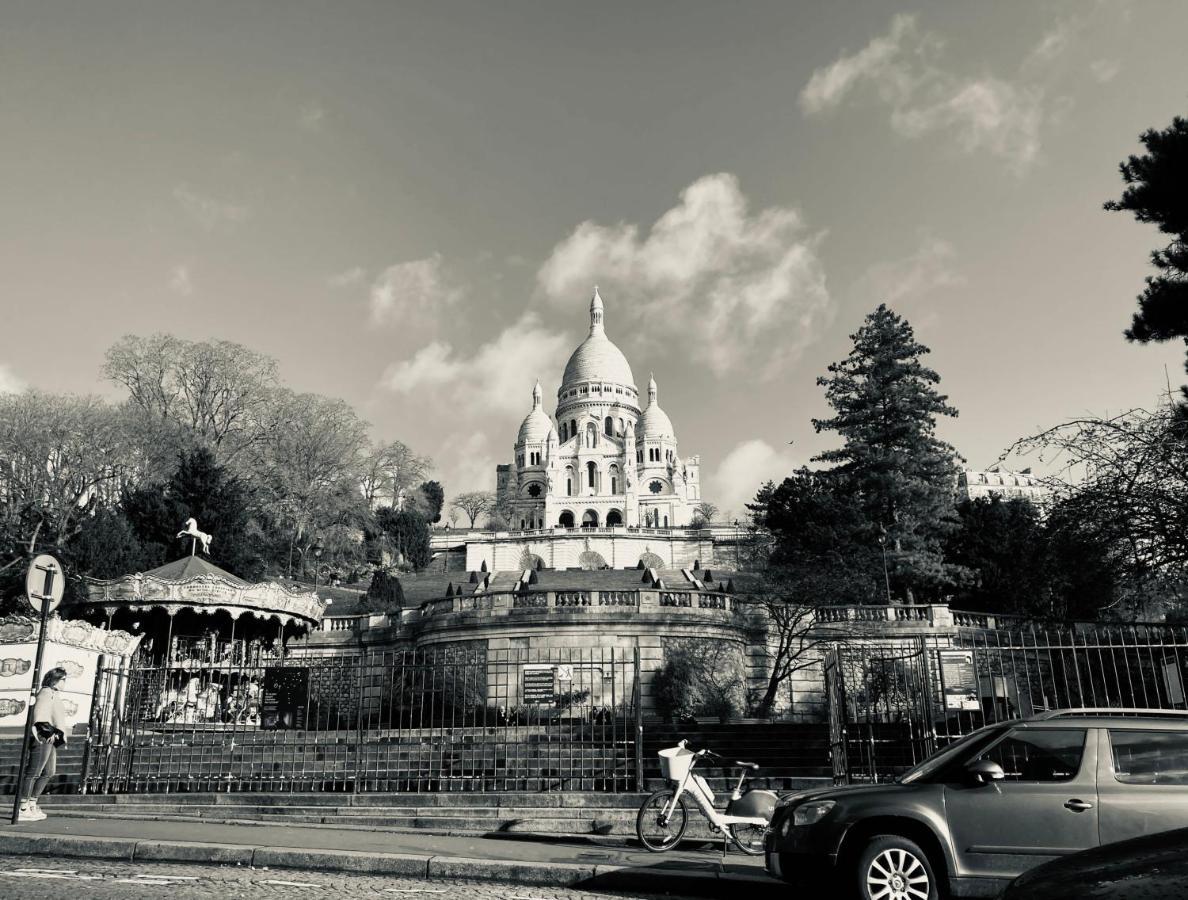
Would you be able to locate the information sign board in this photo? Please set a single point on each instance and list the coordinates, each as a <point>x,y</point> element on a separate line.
<point>286,695</point>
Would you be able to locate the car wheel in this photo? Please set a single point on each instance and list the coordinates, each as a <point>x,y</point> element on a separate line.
<point>895,868</point>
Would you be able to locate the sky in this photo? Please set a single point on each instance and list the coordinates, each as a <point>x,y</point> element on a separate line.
<point>408,205</point>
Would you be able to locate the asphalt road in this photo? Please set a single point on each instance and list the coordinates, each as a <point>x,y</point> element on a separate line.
<point>42,878</point>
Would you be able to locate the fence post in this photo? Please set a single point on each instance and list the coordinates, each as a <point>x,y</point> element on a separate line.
<point>637,702</point>
<point>92,724</point>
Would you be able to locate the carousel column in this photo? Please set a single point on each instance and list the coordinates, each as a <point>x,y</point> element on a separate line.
<point>171,610</point>
<point>110,610</point>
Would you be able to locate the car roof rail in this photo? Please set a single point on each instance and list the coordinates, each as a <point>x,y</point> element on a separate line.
<point>1120,711</point>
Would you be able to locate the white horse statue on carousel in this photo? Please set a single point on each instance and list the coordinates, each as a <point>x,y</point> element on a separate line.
<point>191,531</point>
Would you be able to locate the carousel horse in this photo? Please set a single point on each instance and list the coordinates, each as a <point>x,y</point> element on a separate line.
<point>191,530</point>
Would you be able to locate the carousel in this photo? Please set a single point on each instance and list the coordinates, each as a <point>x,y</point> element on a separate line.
<point>208,635</point>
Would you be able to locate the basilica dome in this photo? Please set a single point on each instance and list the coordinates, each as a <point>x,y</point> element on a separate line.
<point>597,358</point>
<point>654,424</point>
<point>537,425</point>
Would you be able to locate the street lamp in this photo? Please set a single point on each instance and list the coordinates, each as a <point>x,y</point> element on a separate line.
<point>886,577</point>
<point>317,553</point>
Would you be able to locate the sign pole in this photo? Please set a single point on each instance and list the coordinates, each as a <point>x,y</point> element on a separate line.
<point>24,763</point>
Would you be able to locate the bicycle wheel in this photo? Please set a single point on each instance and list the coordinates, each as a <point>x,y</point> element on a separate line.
<point>748,838</point>
<point>657,832</point>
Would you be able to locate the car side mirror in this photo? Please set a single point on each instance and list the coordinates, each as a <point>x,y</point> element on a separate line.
<point>985,771</point>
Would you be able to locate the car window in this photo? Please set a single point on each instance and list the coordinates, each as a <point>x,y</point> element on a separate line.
<point>1150,757</point>
<point>1039,754</point>
<point>946,760</point>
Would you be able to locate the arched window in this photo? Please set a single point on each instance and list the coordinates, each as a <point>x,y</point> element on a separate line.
<point>573,428</point>
<point>591,475</point>
<point>566,519</point>
<point>569,479</point>
<point>666,521</point>
<point>563,437</point>
<point>614,517</point>
<point>608,427</point>
<point>622,428</point>
<point>590,519</point>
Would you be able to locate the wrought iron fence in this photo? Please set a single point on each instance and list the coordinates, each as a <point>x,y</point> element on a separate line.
<point>892,705</point>
<point>456,718</point>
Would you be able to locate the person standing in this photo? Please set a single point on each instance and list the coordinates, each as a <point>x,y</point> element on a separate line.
<point>48,734</point>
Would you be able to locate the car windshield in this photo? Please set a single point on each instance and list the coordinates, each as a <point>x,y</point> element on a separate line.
<point>968,745</point>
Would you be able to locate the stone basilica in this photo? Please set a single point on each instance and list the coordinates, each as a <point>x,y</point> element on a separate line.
<point>601,460</point>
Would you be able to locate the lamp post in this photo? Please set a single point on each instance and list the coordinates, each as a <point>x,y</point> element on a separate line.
<point>886,577</point>
<point>317,554</point>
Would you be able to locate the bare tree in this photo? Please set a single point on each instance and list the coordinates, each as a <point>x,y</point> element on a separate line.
<point>473,504</point>
<point>705,512</point>
<point>58,453</point>
<point>1123,481</point>
<point>795,636</point>
<point>389,471</point>
<point>218,390</point>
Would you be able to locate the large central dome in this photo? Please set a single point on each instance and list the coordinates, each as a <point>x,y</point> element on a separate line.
<point>597,358</point>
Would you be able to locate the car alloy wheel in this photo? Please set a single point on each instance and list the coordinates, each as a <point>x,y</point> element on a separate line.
<point>897,872</point>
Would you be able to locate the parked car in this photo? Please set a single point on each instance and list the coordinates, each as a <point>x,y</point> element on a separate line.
<point>996,803</point>
<point>1154,867</point>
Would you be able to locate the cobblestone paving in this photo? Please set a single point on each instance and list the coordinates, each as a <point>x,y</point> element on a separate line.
<point>42,878</point>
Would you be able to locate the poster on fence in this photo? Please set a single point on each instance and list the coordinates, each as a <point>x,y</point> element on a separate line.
<point>538,684</point>
<point>960,679</point>
<point>286,695</point>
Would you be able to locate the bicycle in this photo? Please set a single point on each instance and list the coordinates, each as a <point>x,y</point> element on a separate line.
<point>662,819</point>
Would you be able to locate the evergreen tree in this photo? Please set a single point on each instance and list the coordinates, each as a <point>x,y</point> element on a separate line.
<point>407,533</point>
<point>432,495</point>
<point>203,490</point>
<point>1005,546</point>
<point>385,594</point>
<point>1157,193</point>
<point>885,408</point>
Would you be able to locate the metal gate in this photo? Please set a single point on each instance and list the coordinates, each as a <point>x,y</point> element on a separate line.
<point>896,702</point>
<point>449,719</point>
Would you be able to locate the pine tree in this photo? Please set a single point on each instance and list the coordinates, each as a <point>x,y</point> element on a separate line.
<point>885,409</point>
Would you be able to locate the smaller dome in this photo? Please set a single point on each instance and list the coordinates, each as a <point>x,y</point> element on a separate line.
<point>654,424</point>
<point>537,425</point>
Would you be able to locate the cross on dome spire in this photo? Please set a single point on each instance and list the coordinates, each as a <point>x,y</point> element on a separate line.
<point>596,312</point>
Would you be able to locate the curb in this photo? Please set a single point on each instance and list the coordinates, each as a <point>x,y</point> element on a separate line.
<point>658,879</point>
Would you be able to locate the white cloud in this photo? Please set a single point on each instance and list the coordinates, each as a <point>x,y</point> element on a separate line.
<point>469,465</point>
<point>9,382</point>
<point>209,212</point>
<point>347,277</point>
<point>180,281</point>
<point>1105,70</point>
<point>414,288</point>
<point>312,116</point>
<point>494,380</point>
<point>1001,116</point>
<point>709,277</point>
<point>927,270</point>
<point>743,470</point>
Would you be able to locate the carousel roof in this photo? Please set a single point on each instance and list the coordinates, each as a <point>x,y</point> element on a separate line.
<point>195,584</point>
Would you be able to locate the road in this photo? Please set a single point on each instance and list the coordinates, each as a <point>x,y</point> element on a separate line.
<point>42,878</point>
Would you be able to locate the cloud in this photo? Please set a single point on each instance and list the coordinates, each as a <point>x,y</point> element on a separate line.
<point>710,277</point>
<point>743,470</point>
<point>312,116</point>
<point>494,380</point>
<point>469,465</point>
<point>9,382</point>
<point>1105,70</point>
<point>1004,117</point>
<point>927,270</point>
<point>180,281</point>
<point>347,277</point>
<point>209,212</point>
<point>414,288</point>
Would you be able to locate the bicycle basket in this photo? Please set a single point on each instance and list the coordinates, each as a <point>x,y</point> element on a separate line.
<point>675,762</point>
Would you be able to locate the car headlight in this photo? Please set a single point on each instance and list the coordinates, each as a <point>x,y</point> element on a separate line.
<point>811,813</point>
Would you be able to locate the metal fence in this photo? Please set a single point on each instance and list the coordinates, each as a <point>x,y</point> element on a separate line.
<point>458,718</point>
<point>892,705</point>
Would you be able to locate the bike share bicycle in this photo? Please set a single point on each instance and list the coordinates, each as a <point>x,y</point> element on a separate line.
<point>663,817</point>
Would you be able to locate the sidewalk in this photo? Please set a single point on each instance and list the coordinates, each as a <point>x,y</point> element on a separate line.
<point>565,862</point>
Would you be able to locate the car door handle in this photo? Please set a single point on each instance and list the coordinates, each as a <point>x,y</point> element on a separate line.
<point>1078,805</point>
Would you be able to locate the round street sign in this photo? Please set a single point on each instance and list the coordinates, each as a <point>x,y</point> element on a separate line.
<point>45,582</point>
